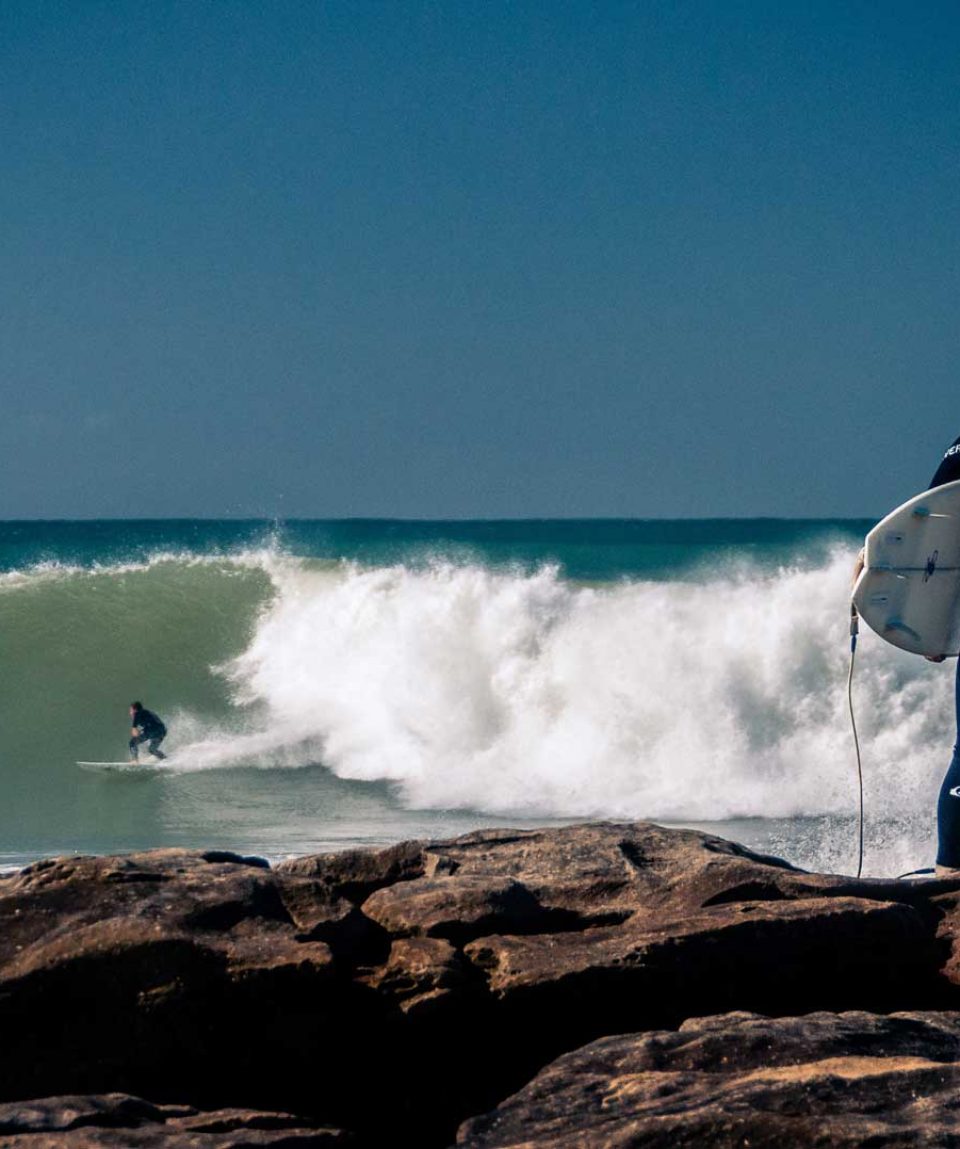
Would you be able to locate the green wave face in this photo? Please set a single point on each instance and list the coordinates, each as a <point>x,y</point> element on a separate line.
<point>77,648</point>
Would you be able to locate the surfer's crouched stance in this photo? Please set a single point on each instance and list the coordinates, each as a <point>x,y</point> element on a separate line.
<point>948,804</point>
<point>146,727</point>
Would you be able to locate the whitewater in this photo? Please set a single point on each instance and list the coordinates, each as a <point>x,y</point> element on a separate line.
<point>349,685</point>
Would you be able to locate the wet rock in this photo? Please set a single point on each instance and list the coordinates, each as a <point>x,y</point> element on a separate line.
<point>848,1079</point>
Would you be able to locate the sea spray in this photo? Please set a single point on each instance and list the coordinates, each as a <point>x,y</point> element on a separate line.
<point>524,693</point>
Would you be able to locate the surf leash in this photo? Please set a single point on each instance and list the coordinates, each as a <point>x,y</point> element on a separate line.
<point>854,632</point>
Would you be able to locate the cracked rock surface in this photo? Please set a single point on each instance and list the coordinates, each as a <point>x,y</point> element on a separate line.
<point>826,1079</point>
<point>393,994</point>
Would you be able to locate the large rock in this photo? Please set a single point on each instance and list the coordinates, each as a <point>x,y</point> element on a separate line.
<point>118,1121</point>
<point>610,927</point>
<point>838,1080</point>
<point>113,970</point>
<point>434,977</point>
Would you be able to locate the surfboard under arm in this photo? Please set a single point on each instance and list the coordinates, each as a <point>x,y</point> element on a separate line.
<point>909,589</point>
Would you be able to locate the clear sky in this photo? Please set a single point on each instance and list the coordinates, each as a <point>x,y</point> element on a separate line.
<point>477,259</point>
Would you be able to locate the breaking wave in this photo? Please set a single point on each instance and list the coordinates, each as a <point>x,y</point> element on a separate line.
<point>526,693</point>
<point>465,686</point>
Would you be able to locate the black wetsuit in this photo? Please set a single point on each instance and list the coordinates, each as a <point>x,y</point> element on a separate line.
<point>948,804</point>
<point>151,730</point>
<point>949,468</point>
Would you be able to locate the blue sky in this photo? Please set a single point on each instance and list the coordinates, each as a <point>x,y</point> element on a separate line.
<point>469,260</point>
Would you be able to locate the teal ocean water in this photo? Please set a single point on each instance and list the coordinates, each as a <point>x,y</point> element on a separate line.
<point>354,682</point>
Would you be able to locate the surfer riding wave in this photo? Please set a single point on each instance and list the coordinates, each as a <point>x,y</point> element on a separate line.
<point>145,727</point>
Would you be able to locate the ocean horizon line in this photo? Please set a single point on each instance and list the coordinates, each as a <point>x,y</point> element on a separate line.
<point>275,519</point>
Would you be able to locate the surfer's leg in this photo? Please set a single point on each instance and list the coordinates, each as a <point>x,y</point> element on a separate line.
<point>154,748</point>
<point>134,749</point>
<point>948,816</point>
<point>948,804</point>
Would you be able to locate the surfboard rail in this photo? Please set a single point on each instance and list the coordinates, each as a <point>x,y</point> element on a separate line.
<point>121,767</point>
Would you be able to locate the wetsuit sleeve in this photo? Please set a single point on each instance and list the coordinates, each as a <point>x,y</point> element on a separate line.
<point>149,724</point>
<point>949,469</point>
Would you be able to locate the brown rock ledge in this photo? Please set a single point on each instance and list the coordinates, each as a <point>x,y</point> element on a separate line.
<point>838,1080</point>
<point>395,992</point>
<point>118,1121</point>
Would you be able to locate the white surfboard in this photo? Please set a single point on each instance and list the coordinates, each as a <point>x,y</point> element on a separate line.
<point>909,589</point>
<point>121,767</point>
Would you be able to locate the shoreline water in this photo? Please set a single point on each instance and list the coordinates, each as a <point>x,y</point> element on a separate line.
<point>818,839</point>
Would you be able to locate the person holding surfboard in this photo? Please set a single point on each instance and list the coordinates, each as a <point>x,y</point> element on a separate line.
<point>947,472</point>
<point>146,727</point>
<point>905,588</point>
<point>948,802</point>
<point>949,469</point>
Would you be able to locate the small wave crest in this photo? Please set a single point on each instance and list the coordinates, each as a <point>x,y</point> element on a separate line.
<point>53,570</point>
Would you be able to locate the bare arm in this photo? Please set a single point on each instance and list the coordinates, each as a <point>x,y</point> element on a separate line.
<point>858,566</point>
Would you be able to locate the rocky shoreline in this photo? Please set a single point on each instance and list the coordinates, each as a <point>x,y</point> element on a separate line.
<point>596,985</point>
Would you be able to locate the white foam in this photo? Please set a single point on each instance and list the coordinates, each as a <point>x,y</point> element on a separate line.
<point>525,694</point>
